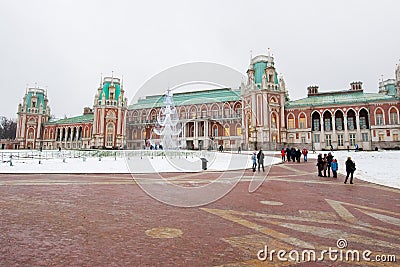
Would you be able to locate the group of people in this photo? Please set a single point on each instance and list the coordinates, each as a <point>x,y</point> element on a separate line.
<point>293,154</point>
<point>327,162</point>
<point>258,158</point>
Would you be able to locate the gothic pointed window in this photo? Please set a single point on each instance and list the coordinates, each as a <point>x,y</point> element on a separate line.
<point>394,118</point>
<point>302,121</point>
<point>110,135</point>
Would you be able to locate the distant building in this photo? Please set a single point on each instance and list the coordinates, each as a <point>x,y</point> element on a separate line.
<point>102,126</point>
<point>259,114</point>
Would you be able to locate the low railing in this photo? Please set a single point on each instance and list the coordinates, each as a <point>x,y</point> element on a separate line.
<point>22,155</point>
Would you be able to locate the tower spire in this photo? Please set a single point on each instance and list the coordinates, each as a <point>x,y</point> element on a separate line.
<point>101,79</point>
<point>112,77</point>
<point>269,52</point>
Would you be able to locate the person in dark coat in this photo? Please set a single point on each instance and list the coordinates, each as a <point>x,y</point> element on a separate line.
<point>298,155</point>
<point>325,164</point>
<point>329,159</point>
<point>293,154</point>
<point>350,168</point>
<point>288,156</point>
<point>260,158</point>
<point>320,164</point>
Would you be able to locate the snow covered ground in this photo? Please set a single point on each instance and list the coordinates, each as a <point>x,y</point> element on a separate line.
<point>379,167</point>
<point>149,162</point>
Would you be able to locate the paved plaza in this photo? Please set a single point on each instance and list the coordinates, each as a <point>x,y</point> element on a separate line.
<point>108,220</point>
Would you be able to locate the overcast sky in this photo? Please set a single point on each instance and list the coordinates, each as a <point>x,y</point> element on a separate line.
<point>66,44</point>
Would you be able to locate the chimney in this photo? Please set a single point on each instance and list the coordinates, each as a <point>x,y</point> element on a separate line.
<point>312,90</point>
<point>87,110</point>
<point>356,86</point>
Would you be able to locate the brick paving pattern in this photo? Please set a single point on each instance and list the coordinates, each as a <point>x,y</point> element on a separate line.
<point>107,220</point>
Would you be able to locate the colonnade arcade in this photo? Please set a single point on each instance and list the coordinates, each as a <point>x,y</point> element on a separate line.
<point>340,128</point>
<point>67,137</point>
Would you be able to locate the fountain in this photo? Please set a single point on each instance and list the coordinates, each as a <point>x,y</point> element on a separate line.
<point>168,126</point>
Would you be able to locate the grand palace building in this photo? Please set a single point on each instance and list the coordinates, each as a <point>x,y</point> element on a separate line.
<point>257,114</point>
<point>102,126</point>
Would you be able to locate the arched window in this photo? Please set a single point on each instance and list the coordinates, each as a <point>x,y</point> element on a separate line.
<point>193,113</point>
<point>302,121</point>
<point>215,111</point>
<point>364,121</point>
<point>110,135</point>
<point>31,133</point>
<point>351,120</point>
<point>291,121</point>
<point>316,121</point>
<point>204,111</point>
<point>393,115</point>
<point>215,130</point>
<point>226,130</point>
<point>339,120</point>
<point>327,121</point>
<point>227,111</point>
<point>274,121</point>
<point>238,129</point>
<point>379,117</point>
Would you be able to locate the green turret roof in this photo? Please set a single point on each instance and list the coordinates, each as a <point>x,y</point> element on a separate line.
<point>40,97</point>
<point>106,86</point>
<point>190,98</point>
<point>337,98</point>
<point>78,119</point>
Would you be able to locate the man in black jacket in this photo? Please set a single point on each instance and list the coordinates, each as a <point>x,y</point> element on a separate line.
<point>350,168</point>
<point>329,159</point>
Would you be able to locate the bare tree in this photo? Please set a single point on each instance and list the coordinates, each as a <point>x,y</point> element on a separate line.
<point>8,128</point>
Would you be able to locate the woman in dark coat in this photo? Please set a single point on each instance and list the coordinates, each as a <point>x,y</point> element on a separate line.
<point>320,164</point>
<point>288,156</point>
<point>350,168</point>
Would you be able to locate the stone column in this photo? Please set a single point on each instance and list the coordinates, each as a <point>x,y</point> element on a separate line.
<point>358,136</point>
<point>334,137</point>
<point>322,137</point>
<point>346,131</point>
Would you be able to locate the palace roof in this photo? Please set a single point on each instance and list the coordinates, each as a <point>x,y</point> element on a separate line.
<point>190,98</point>
<point>338,98</point>
<point>77,119</point>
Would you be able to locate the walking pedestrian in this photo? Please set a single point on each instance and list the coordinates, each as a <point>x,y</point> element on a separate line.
<point>350,168</point>
<point>305,154</point>
<point>260,158</point>
<point>283,152</point>
<point>335,167</point>
<point>298,155</point>
<point>254,160</point>
<point>320,164</point>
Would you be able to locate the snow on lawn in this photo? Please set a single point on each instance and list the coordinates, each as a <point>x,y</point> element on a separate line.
<point>379,167</point>
<point>147,164</point>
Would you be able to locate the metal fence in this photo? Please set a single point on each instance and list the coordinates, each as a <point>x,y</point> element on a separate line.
<point>25,155</point>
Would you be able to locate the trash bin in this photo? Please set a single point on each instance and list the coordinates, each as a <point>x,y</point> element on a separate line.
<point>204,163</point>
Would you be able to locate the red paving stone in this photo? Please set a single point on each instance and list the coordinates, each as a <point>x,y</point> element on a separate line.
<point>101,220</point>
